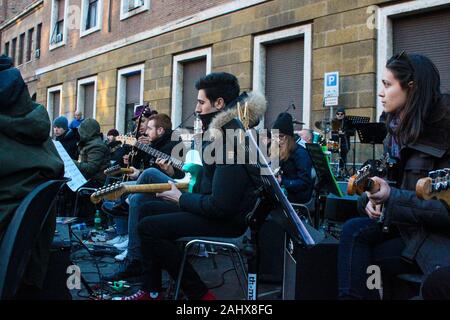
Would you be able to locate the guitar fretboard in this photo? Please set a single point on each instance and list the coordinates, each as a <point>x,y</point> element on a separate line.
<point>158,154</point>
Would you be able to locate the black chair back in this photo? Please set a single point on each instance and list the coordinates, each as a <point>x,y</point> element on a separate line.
<point>22,235</point>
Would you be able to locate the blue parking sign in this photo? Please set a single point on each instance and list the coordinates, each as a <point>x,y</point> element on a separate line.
<point>331,80</point>
<point>331,84</point>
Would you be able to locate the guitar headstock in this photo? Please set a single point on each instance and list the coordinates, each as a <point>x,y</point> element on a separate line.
<point>126,140</point>
<point>357,183</point>
<point>111,192</point>
<point>112,170</point>
<point>436,185</point>
<point>116,170</point>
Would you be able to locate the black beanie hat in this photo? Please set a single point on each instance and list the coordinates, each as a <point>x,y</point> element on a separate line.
<point>284,124</point>
<point>340,109</point>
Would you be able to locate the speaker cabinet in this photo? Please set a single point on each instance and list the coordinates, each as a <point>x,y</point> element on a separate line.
<point>311,273</point>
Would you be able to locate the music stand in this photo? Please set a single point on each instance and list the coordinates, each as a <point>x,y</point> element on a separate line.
<point>371,133</point>
<point>270,199</point>
<point>354,120</point>
<point>326,183</point>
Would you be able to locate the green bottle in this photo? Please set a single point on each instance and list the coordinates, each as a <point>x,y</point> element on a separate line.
<point>97,220</point>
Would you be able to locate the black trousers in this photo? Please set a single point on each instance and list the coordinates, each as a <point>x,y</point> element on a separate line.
<point>163,224</point>
<point>437,285</point>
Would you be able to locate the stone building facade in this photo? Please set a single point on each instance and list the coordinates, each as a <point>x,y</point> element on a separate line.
<point>146,50</point>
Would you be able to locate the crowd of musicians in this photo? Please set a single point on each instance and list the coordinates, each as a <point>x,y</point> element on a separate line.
<point>396,230</point>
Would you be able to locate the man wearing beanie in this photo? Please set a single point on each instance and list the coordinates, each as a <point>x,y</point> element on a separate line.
<point>343,136</point>
<point>295,163</point>
<point>116,151</point>
<point>30,160</point>
<point>66,136</point>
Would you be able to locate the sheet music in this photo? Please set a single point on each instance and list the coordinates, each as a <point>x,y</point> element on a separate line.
<point>71,171</point>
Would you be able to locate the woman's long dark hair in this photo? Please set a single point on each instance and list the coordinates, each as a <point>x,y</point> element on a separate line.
<point>423,95</point>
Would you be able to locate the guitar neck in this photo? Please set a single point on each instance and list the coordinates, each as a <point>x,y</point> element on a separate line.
<point>158,154</point>
<point>152,188</point>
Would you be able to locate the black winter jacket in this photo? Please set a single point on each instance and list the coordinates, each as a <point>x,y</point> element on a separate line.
<point>423,225</point>
<point>69,141</point>
<point>296,176</point>
<point>227,190</point>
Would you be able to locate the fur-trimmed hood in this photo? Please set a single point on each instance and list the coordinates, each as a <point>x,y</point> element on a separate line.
<point>256,107</point>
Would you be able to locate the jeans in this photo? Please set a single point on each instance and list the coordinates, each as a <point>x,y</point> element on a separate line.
<point>159,230</point>
<point>136,201</point>
<point>121,225</point>
<point>362,244</point>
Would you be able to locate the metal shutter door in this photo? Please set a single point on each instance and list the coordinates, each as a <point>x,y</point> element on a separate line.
<point>192,71</point>
<point>133,89</point>
<point>56,102</point>
<point>89,101</point>
<point>284,79</point>
<point>427,34</point>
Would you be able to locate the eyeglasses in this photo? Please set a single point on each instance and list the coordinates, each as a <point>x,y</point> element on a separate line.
<point>340,113</point>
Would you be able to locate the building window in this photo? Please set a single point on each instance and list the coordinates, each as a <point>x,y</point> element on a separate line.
<point>91,13</point>
<point>130,93</point>
<point>13,50</point>
<point>37,52</point>
<point>272,52</point>
<point>54,99</point>
<point>21,48</point>
<point>129,8</point>
<point>58,32</point>
<point>187,68</point>
<point>29,44</point>
<point>429,21</point>
<point>87,96</point>
<point>6,52</point>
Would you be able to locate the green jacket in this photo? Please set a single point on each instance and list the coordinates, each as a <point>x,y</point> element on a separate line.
<point>27,154</point>
<point>94,154</point>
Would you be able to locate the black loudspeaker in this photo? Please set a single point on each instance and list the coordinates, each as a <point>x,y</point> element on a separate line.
<point>341,209</point>
<point>271,247</point>
<point>55,287</point>
<point>311,273</point>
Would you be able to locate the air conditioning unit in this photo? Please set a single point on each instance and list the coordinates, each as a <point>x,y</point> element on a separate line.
<point>37,53</point>
<point>59,37</point>
<point>134,4</point>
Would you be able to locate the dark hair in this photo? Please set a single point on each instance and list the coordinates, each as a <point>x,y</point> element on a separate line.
<point>219,85</point>
<point>423,97</point>
<point>161,121</point>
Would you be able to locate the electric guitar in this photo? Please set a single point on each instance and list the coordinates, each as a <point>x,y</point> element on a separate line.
<point>435,186</point>
<point>116,190</point>
<point>361,181</point>
<point>117,170</point>
<point>194,169</point>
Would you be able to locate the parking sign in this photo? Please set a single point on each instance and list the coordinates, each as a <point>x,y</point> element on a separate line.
<point>331,84</point>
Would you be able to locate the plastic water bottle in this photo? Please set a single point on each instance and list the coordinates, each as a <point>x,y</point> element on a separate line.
<point>97,220</point>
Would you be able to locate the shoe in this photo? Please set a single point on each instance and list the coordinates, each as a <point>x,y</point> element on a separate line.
<point>127,269</point>
<point>122,256</point>
<point>122,245</point>
<point>118,239</point>
<point>115,209</point>
<point>208,296</point>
